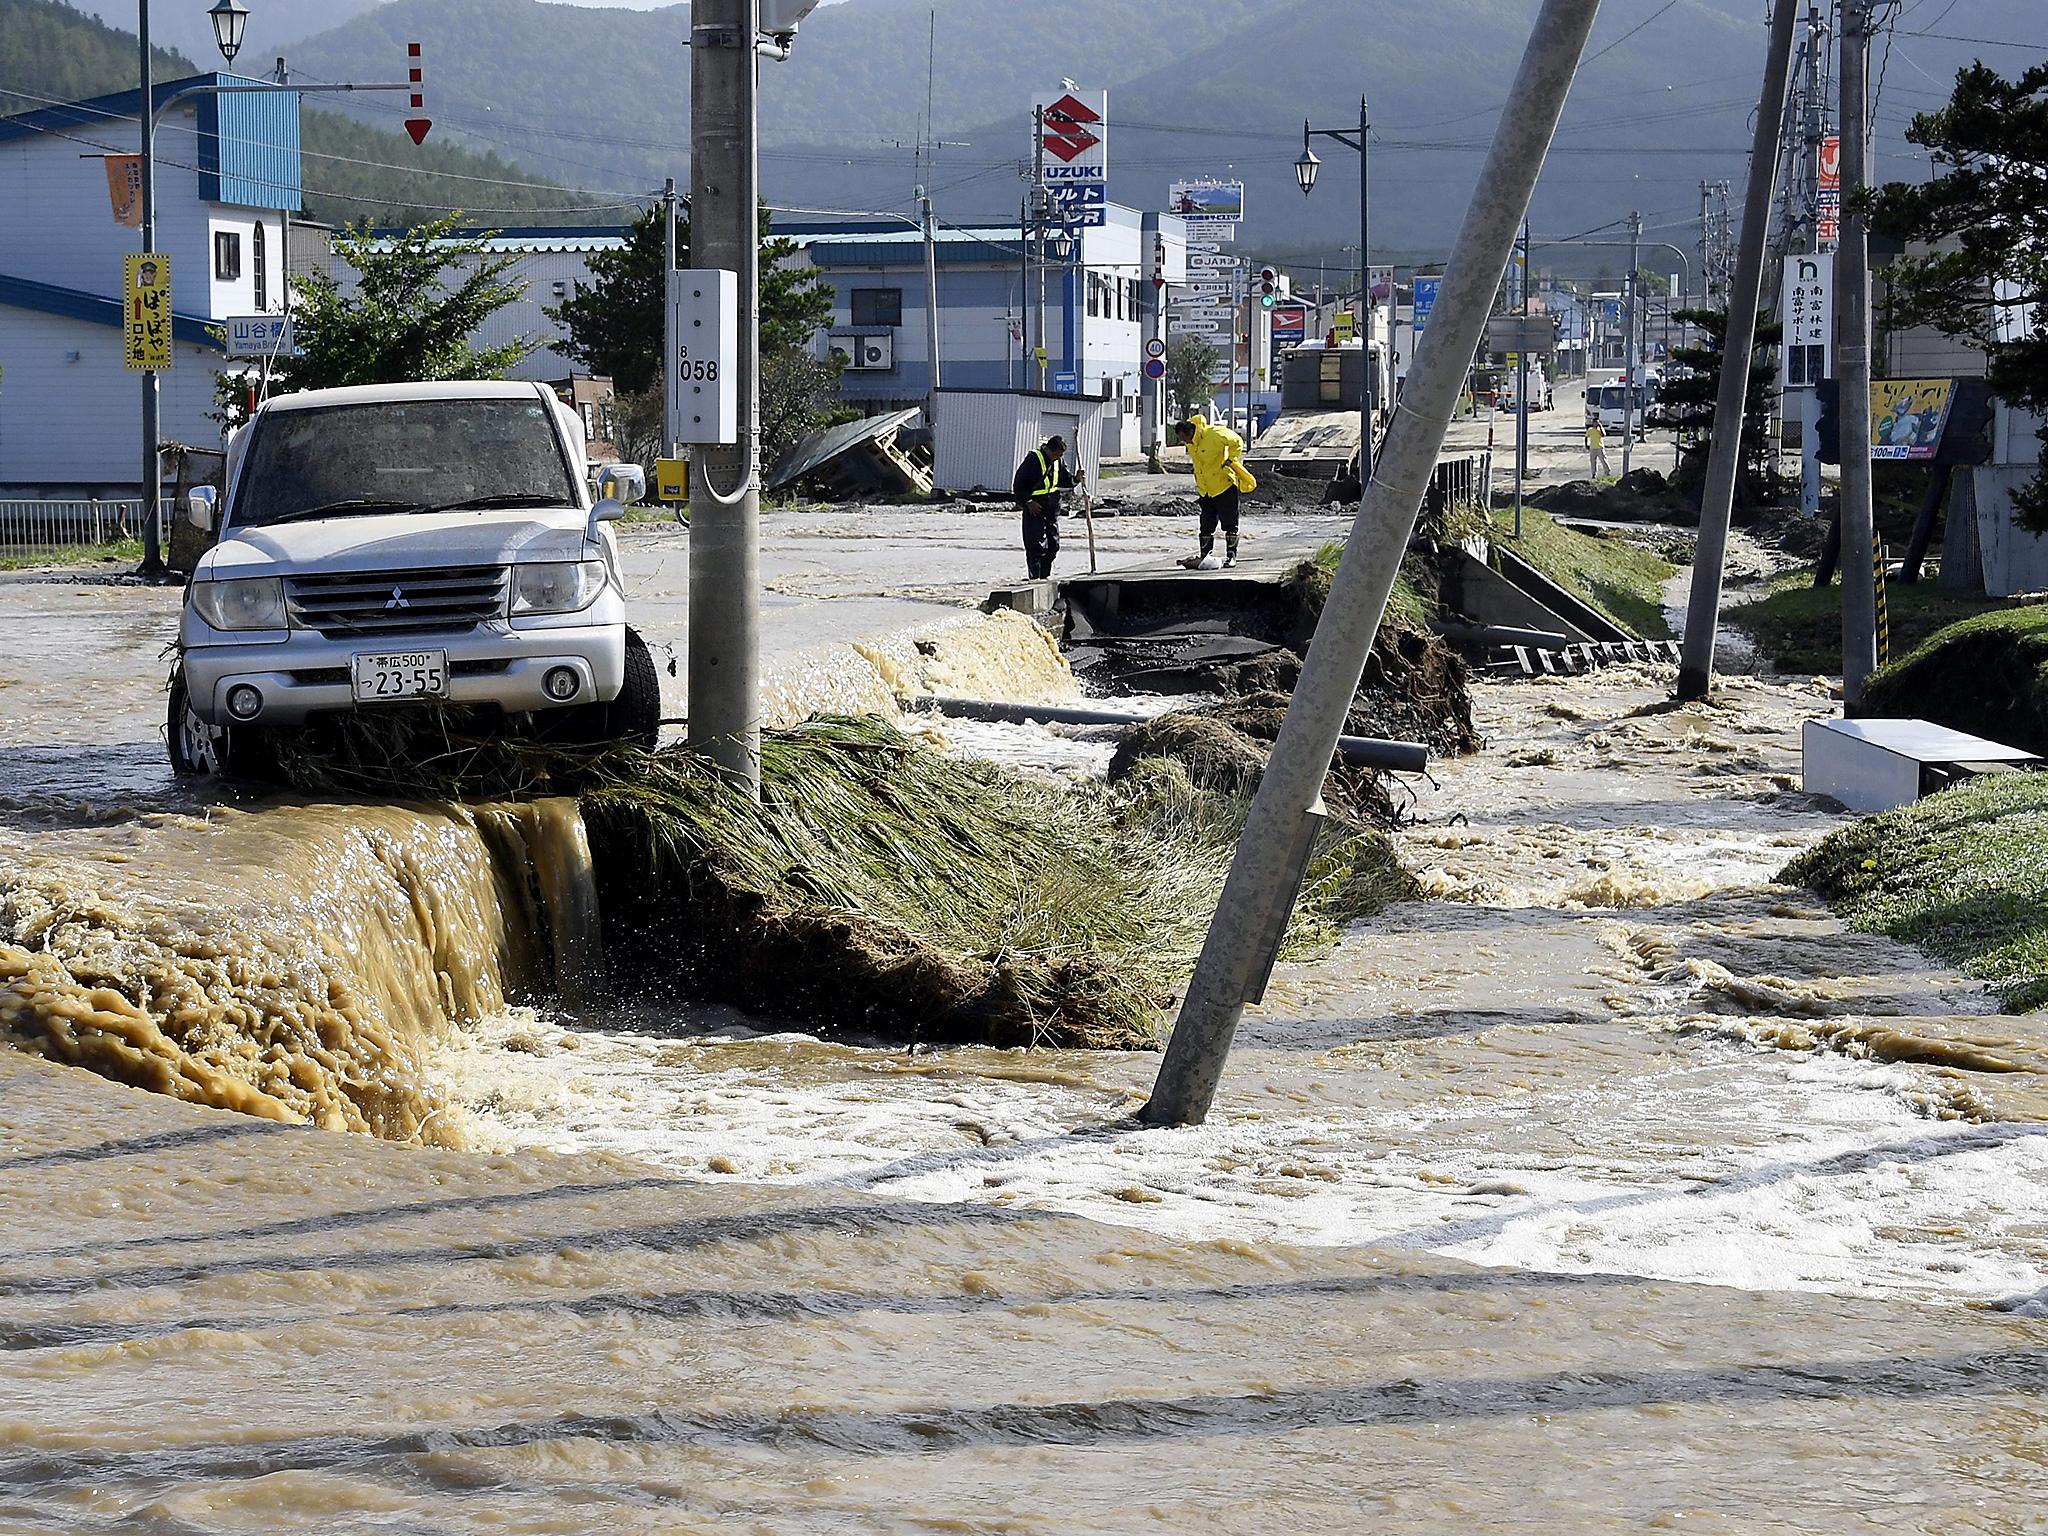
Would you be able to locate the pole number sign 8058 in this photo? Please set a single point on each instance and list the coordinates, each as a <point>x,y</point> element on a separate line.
<point>702,370</point>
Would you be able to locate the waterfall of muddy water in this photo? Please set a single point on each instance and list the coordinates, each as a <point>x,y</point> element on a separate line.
<point>1609,1042</point>
<point>296,963</point>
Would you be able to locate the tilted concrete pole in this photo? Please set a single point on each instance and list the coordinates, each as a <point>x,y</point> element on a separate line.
<point>1852,282</point>
<point>725,507</point>
<point>1265,874</point>
<point>1724,456</point>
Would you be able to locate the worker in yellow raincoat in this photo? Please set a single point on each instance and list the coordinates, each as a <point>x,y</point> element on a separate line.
<point>1220,478</point>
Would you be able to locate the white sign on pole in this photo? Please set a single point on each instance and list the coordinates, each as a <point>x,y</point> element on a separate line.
<point>261,336</point>
<point>1076,141</point>
<point>1809,319</point>
<point>1195,287</point>
<point>1210,261</point>
<point>1195,327</point>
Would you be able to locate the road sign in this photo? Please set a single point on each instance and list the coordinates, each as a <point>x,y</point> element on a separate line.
<point>146,311</point>
<point>1210,261</point>
<point>1066,384</point>
<point>1425,300</point>
<point>1180,327</point>
<point>1200,287</point>
<point>1155,367</point>
<point>1155,348</point>
<point>261,336</point>
<point>1203,248</point>
<point>1521,333</point>
<point>1223,312</point>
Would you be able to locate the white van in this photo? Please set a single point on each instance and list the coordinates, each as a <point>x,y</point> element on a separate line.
<point>1609,404</point>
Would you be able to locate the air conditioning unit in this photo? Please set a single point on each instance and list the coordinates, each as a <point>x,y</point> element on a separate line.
<point>866,354</point>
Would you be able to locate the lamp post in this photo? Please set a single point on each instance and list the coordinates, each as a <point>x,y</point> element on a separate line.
<point>230,18</point>
<point>1305,170</point>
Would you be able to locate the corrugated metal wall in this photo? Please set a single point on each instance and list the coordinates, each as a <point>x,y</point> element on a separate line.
<point>249,149</point>
<point>984,435</point>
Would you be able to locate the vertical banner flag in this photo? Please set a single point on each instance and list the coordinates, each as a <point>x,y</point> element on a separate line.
<point>1382,284</point>
<point>146,311</point>
<point>1077,154</point>
<point>124,188</point>
<point>1827,227</point>
<point>1425,300</point>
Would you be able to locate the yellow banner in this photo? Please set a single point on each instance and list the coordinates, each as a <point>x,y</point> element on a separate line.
<point>124,188</point>
<point>146,312</point>
<point>1907,416</point>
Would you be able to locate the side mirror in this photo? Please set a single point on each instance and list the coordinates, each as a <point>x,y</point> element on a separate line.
<point>625,483</point>
<point>200,504</point>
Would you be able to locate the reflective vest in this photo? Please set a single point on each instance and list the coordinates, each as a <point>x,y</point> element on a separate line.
<point>1048,474</point>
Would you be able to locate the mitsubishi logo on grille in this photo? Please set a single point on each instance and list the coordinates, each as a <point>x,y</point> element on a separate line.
<point>1066,130</point>
<point>398,601</point>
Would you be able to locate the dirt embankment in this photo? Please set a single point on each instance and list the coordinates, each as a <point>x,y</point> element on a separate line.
<point>1987,675</point>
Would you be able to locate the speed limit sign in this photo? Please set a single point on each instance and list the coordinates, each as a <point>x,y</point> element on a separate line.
<point>1155,348</point>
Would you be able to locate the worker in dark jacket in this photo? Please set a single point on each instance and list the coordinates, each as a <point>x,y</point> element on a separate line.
<point>1040,479</point>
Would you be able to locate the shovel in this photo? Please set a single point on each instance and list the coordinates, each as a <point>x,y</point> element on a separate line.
<point>1088,511</point>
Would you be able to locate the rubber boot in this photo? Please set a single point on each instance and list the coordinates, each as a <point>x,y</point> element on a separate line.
<point>1229,550</point>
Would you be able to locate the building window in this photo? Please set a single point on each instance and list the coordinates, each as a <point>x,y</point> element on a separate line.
<point>227,255</point>
<point>259,266</point>
<point>878,306</point>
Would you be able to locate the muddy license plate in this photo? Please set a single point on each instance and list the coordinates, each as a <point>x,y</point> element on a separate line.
<point>393,677</point>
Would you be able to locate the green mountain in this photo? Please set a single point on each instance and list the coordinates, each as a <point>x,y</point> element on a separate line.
<point>599,98</point>
<point>352,170</point>
<point>273,25</point>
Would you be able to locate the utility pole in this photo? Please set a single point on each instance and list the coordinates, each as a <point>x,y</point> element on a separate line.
<point>153,568</point>
<point>1286,815</point>
<point>1852,277</point>
<point>1724,458</point>
<point>1522,390</point>
<point>931,311</point>
<point>1632,348</point>
<point>671,384</point>
<point>1038,212</point>
<point>725,521</point>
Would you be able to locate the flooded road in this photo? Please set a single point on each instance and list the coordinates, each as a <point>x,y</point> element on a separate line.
<point>1611,1187</point>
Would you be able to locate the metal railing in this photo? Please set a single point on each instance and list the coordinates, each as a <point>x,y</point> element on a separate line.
<point>57,532</point>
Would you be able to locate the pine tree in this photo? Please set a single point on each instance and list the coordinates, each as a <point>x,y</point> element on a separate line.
<point>1692,385</point>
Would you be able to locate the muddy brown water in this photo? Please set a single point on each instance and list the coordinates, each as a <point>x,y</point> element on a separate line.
<point>1613,1188</point>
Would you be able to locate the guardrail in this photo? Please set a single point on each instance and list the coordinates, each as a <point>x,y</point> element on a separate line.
<point>61,531</point>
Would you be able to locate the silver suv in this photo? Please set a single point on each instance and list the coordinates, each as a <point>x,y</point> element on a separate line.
<point>404,545</point>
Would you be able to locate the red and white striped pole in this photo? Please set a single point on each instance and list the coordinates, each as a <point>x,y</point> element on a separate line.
<point>418,124</point>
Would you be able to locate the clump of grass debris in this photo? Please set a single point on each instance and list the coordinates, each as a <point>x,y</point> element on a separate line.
<point>1960,874</point>
<point>883,888</point>
<point>1621,578</point>
<point>1987,675</point>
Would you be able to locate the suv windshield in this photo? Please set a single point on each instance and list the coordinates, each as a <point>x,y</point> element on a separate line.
<point>402,455</point>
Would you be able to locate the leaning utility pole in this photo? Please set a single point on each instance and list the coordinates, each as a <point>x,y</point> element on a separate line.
<point>1724,456</point>
<point>725,518</point>
<point>1280,834</point>
<point>930,224</point>
<point>153,567</point>
<point>1852,276</point>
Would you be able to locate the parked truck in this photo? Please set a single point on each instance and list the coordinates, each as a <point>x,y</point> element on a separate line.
<point>407,545</point>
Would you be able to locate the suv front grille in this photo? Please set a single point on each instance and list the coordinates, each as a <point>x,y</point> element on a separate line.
<point>438,600</point>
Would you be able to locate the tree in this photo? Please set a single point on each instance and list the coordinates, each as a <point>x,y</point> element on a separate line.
<point>417,300</point>
<point>615,324</point>
<point>1692,386</point>
<point>1988,276</point>
<point>1190,375</point>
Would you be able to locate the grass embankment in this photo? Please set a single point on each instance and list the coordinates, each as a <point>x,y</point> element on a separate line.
<point>1797,626</point>
<point>883,887</point>
<point>1961,874</point>
<point>1987,675</point>
<point>1622,579</point>
<point>117,552</point>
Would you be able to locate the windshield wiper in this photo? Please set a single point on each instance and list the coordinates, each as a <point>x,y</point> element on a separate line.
<point>502,499</point>
<point>344,507</point>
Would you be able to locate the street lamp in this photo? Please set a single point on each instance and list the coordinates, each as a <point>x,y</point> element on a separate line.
<point>1305,170</point>
<point>229,17</point>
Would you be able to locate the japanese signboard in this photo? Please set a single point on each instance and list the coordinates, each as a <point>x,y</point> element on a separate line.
<point>1907,416</point>
<point>1831,163</point>
<point>124,188</point>
<point>1345,326</point>
<point>1290,324</point>
<point>1382,284</point>
<point>146,312</point>
<point>261,336</point>
<point>1075,139</point>
<point>1809,319</point>
<point>1425,300</point>
<point>1212,207</point>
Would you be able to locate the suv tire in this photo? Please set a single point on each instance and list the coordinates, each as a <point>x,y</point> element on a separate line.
<point>225,752</point>
<point>632,719</point>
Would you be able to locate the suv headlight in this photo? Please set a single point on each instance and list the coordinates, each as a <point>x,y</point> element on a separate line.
<point>247,604</point>
<point>565,587</point>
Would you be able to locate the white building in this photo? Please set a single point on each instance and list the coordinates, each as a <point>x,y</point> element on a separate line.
<point>227,176</point>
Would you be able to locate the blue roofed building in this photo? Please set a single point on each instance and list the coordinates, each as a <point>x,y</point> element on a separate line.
<point>228,179</point>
